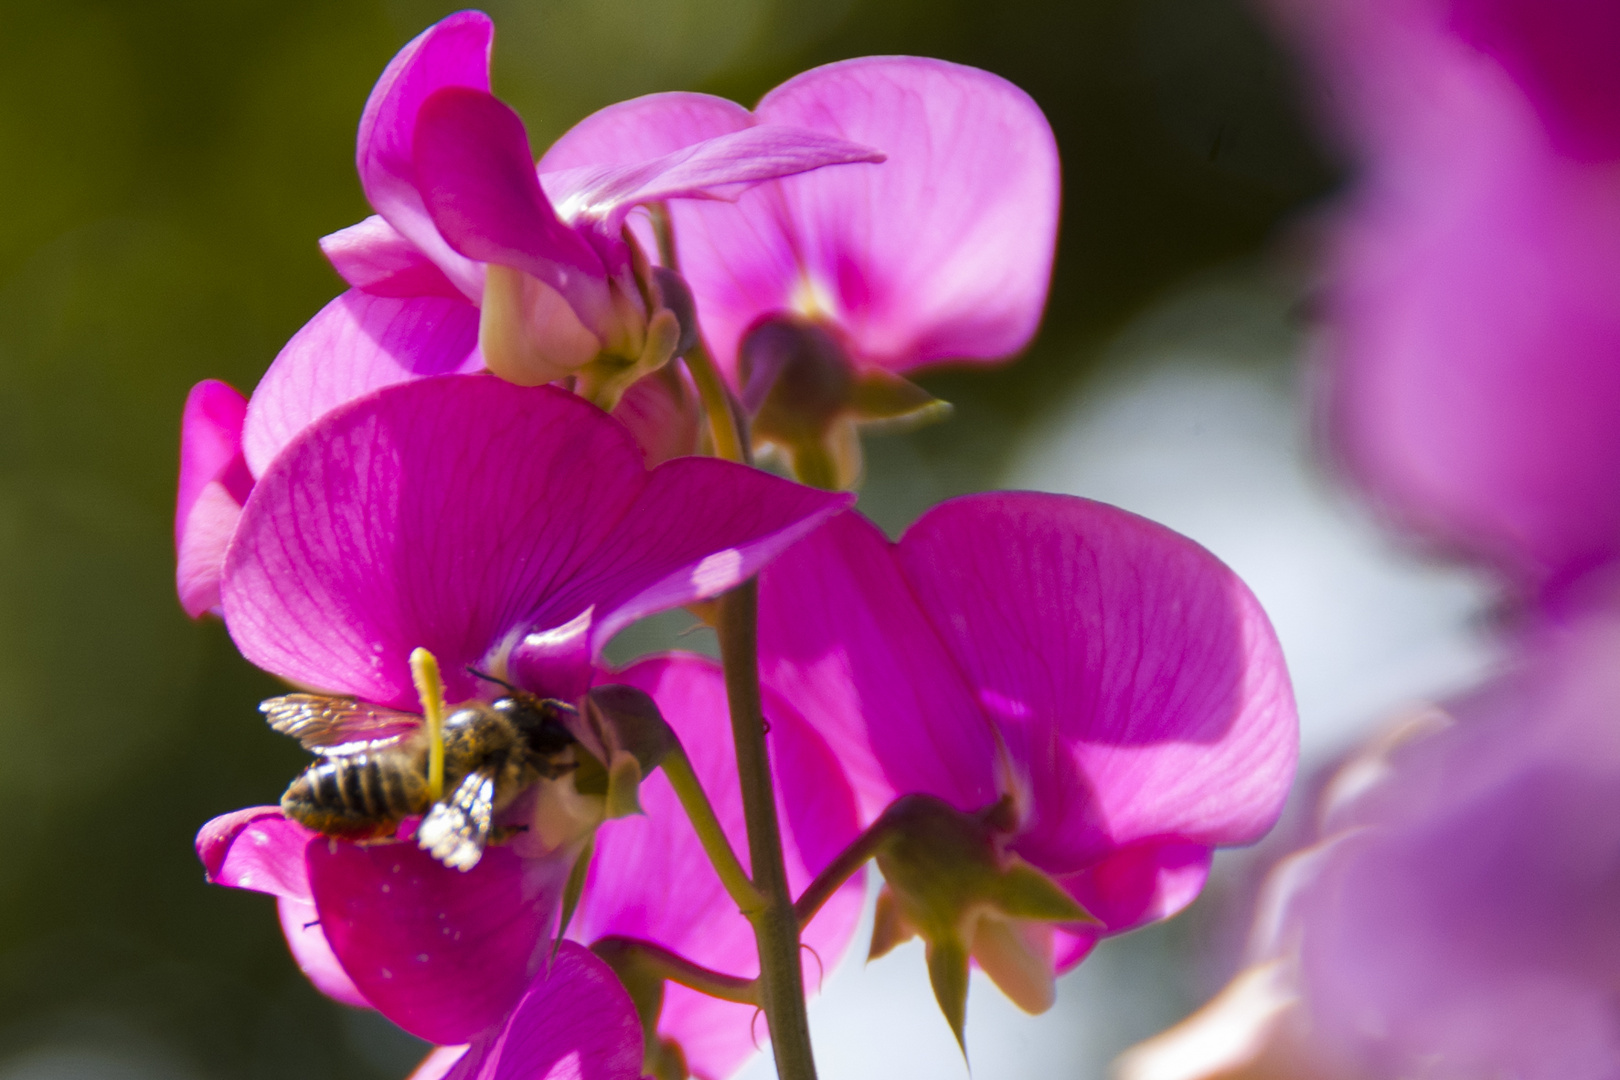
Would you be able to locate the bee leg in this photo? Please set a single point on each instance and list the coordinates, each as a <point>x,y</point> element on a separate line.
<point>501,834</point>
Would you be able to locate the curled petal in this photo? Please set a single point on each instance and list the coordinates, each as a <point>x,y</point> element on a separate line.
<point>574,1022</point>
<point>256,849</point>
<point>477,177</point>
<point>356,344</point>
<point>442,513</point>
<point>699,527</point>
<point>722,167</point>
<point>452,52</point>
<point>374,256</point>
<point>1135,681</point>
<point>301,925</point>
<point>628,890</point>
<point>214,483</point>
<point>442,953</point>
<point>641,129</point>
<point>942,252</point>
<point>662,412</point>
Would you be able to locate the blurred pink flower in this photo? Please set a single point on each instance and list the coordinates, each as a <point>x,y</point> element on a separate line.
<point>943,253</point>
<point>1472,299</point>
<point>1113,677</point>
<point>1456,918</point>
<point>495,526</point>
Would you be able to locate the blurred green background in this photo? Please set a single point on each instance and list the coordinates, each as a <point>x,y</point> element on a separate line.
<point>165,170</point>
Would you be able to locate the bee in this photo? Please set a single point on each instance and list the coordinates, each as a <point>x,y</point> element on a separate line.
<point>372,770</point>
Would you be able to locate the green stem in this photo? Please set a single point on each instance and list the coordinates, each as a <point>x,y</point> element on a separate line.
<point>776,926</point>
<point>723,427</point>
<point>624,954</point>
<point>839,871</point>
<point>695,801</point>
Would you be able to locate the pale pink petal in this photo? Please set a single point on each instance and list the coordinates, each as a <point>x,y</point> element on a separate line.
<point>628,892</point>
<point>301,926</point>
<point>700,527</point>
<point>842,638</point>
<point>719,168</point>
<point>443,513</point>
<point>214,483</point>
<point>374,256</point>
<point>256,849</point>
<point>643,128</point>
<point>943,252</point>
<point>452,52</point>
<point>356,344</point>
<point>440,952</point>
<point>438,1063</point>
<point>478,181</point>
<point>1136,682</point>
<point>575,1022</point>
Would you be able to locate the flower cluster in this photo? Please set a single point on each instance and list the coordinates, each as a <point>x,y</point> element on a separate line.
<point>1454,916</point>
<point>506,442</point>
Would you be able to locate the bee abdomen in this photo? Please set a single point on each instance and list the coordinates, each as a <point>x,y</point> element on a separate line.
<point>358,795</point>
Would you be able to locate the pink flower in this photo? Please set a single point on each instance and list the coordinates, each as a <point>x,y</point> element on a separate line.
<point>574,1005</point>
<point>1112,677</point>
<point>495,526</point>
<point>463,215</point>
<point>813,292</point>
<point>1473,291</point>
<point>651,880</point>
<point>943,253</point>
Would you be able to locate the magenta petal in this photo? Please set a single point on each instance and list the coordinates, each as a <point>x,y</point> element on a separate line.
<point>722,167</point>
<point>478,181</point>
<point>575,1022</point>
<point>452,52</point>
<point>842,638</point>
<point>214,483</point>
<point>444,513</point>
<point>374,256</point>
<point>1134,678</point>
<point>441,953</point>
<point>356,344</point>
<point>700,527</point>
<point>256,849</point>
<point>629,892</point>
<point>301,926</point>
<point>942,252</point>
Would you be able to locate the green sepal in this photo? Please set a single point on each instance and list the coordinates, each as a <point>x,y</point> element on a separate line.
<point>626,737</point>
<point>880,395</point>
<point>572,890</point>
<point>948,973</point>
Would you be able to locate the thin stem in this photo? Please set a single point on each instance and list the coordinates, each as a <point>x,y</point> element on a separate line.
<point>839,871</point>
<point>695,801</point>
<point>776,926</point>
<point>659,961</point>
<point>723,428</point>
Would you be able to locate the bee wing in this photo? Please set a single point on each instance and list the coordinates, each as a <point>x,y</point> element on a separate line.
<point>456,829</point>
<point>337,725</point>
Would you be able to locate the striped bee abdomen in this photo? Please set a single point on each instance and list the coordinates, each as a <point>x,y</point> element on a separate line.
<point>357,795</point>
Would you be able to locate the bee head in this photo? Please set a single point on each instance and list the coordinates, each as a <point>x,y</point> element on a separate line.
<point>537,719</point>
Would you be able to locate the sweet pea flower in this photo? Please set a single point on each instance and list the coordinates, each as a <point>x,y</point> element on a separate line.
<point>572,1006</point>
<point>509,529</point>
<point>650,879</point>
<point>1111,681</point>
<point>1456,916</point>
<point>461,214</point>
<point>1472,293</point>
<point>817,291</point>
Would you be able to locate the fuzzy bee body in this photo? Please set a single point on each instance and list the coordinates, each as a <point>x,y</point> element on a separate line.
<point>372,772</point>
